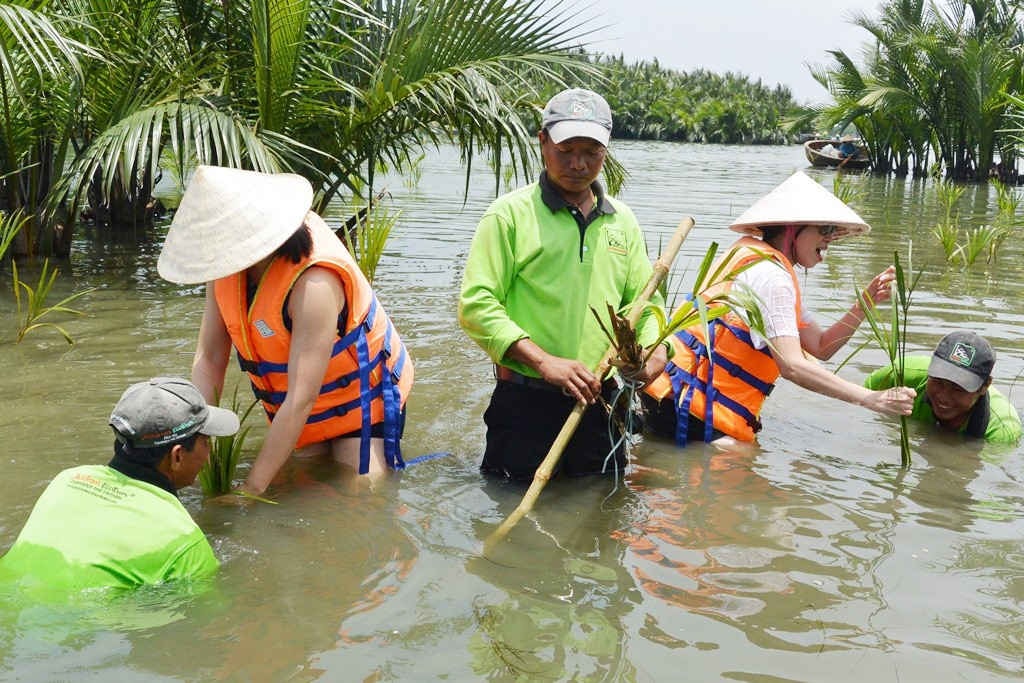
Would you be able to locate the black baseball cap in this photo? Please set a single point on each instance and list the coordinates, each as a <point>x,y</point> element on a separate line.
<point>964,358</point>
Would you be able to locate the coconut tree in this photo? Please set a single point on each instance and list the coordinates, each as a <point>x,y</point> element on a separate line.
<point>935,76</point>
<point>162,85</point>
<point>38,59</point>
<point>330,89</point>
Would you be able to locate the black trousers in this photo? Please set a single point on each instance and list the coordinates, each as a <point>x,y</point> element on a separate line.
<point>523,421</point>
<point>660,418</point>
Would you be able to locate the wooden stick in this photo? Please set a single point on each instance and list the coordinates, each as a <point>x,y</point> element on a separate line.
<point>547,466</point>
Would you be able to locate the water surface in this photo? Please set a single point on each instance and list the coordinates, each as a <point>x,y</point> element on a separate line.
<point>808,557</point>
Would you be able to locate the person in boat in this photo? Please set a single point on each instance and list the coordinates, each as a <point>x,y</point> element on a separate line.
<point>954,389</point>
<point>793,225</point>
<point>321,353</point>
<point>542,257</point>
<point>121,524</point>
<point>847,149</point>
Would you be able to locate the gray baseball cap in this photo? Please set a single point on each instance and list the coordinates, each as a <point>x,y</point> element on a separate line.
<point>165,410</point>
<point>964,358</point>
<point>577,113</point>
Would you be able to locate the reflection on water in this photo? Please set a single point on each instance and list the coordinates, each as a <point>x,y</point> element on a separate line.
<point>809,557</point>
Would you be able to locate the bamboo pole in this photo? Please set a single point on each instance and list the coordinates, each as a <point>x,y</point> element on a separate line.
<point>543,473</point>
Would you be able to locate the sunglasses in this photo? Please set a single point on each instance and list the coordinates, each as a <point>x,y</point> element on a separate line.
<point>827,230</point>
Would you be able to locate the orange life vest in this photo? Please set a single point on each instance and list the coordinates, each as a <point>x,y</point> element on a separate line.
<point>369,375</point>
<point>740,375</point>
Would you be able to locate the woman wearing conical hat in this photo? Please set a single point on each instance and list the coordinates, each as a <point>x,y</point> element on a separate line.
<point>320,352</point>
<point>713,391</point>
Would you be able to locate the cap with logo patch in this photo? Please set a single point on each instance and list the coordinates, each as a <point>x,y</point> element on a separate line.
<point>577,113</point>
<point>166,410</point>
<point>964,358</point>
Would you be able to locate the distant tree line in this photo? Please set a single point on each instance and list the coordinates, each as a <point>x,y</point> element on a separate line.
<point>651,102</point>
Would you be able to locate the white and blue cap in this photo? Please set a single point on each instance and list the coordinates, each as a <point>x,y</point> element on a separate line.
<point>166,410</point>
<point>577,113</point>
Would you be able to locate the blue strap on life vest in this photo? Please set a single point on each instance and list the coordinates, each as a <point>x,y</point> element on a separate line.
<point>700,352</point>
<point>682,377</point>
<point>392,397</point>
<point>259,368</point>
<point>277,397</point>
<point>387,390</point>
<point>363,357</point>
<point>342,408</point>
<point>743,336</point>
<point>344,341</point>
<point>722,399</point>
<point>692,382</point>
<point>677,377</point>
<point>427,457</point>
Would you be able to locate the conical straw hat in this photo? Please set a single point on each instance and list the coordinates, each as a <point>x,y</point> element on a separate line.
<point>230,219</point>
<point>800,201</point>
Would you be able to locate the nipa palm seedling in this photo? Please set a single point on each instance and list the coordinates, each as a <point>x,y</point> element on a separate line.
<point>947,231</point>
<point>712,298</point>
<point>218,474</point>
<point>892,339</point>
<point>367,238</point>
<point>10,225</point>
<point>984,239</point>
<point>35,307</point>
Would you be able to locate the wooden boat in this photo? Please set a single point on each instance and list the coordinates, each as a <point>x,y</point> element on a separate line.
<point>820,154</point>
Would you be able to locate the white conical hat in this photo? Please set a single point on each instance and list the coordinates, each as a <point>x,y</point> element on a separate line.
<point>800,201</point>
<point>230,219</point>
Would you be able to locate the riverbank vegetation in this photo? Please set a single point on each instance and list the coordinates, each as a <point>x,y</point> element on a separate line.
<point>100,97</point>
<point>102,100</point>
<point>939,89</point>
<point>655,103</point>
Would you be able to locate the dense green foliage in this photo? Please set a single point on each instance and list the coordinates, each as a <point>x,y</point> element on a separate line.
<point>98,98</point>
<point>651,102</point>
<point>936,89</point>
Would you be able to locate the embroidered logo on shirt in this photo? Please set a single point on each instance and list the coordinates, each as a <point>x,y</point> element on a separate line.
<point>962,354</point>
<point>616,242</point>
<point>263,328</point>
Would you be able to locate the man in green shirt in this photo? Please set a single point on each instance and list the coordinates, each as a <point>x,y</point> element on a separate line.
<point>543,256</point>
<point>122,524</point>
<point>954,389</point>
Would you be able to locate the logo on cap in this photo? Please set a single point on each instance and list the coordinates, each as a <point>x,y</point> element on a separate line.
<point>962,354</point>
<point>582,109</point>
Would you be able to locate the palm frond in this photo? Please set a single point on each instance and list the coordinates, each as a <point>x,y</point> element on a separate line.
<point>133,147</point>
<point>30,33</point>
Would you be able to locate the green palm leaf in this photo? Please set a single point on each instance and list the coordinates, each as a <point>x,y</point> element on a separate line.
<point>133,146</point>
<point>30,34</point>
<point>279,27</point>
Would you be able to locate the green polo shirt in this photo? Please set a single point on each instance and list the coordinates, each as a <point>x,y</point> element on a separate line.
<point>94,526</point>
<point>533,272</point>
<point>1000,425</point>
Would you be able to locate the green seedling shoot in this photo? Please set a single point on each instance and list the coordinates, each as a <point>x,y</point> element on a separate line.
<point>892,338</point>
<point>35,307</point>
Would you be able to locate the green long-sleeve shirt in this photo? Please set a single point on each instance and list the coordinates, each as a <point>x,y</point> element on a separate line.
<point>532,272</point>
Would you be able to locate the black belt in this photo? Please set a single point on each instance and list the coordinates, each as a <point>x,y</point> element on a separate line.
<point>503,374</point>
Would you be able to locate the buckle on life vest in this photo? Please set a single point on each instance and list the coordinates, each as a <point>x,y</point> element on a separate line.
<point>264,395</point>
<point>248,366</point>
